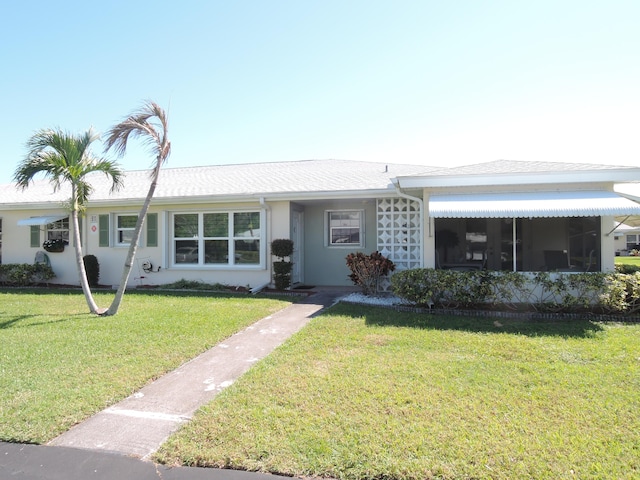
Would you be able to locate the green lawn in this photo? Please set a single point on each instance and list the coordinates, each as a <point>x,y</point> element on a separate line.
<point>628,260</point>
<point>59,365</point>
<point>369,393</point>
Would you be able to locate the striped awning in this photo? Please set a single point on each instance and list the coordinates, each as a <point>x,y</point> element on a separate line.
<point>532,204</point>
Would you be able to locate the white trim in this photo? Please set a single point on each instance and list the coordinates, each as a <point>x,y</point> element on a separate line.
<point>231,238</point>
<point>522,178</point>
<point>361,227</point>
<point>116,229</point>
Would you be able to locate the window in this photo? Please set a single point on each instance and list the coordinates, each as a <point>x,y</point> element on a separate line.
<point>632,241</point>
<point>125,226</point>
<point>58,230</point>
<point>217,238</point>
<point>345,228</point>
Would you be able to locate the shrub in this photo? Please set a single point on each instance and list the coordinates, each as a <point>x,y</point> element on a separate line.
<point>92,268</point>
<point>368,270</point>
<point>24,274</point>
<point>442,288</point>
<point>281,248</point>
<point>282,274</point>
<point>542,291</point>
<point>627,268</point>
<point>184,284</point>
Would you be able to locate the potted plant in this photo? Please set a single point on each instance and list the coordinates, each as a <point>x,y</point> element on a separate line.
<point>54,246</point>
<point>282,248</point>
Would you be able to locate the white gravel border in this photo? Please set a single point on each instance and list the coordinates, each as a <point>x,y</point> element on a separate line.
<point>361,298</point>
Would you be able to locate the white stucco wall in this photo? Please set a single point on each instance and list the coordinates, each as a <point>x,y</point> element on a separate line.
<point>16,247</point>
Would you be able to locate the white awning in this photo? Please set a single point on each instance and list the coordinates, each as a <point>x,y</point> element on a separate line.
<point>46,220</point>
<point>532,204</point>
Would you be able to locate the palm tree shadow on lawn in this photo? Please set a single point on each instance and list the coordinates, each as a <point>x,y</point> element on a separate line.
<point>386,317</point>
<point>17,321</point>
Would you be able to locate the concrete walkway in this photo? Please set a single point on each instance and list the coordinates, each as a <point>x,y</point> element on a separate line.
<point>139,424</point>
<point>102,447</point>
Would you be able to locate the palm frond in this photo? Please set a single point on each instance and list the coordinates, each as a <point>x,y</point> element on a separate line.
<point>65,158</point>
<point>149,123</point>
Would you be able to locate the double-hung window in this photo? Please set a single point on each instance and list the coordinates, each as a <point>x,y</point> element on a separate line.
<point>125,227</point>
<point>58,230</point>
<point>345,228</point>
<point>217,238</point>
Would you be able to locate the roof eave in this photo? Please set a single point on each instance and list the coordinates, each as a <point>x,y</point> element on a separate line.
<point>244,198</point>
<point>613,175</point>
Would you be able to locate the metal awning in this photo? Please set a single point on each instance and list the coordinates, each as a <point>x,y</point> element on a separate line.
<point>532,204</point>
<point>45,220</point>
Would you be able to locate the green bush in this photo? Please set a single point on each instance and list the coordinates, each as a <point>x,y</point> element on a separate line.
<point>368,270</point>
<point>24,274</point>
<point>627,268</point>
<point>92,268</point>
<point>281,248</point>
<point>184,284</point>
<point>442,288</point>
<point>282,274</point>
<point>542,291</point>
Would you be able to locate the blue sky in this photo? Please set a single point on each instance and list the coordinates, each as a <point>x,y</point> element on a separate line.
<point>428,82</point>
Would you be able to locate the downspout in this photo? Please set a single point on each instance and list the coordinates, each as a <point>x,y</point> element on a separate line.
<point>267,209</point>
<point>401,194</point>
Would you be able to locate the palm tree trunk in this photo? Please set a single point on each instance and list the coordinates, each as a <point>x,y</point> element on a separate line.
<point>133,247</point>
<point>82,273</point>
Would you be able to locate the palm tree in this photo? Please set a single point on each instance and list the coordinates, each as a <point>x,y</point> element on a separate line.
<point>149,123</point>
<point>66,158</point>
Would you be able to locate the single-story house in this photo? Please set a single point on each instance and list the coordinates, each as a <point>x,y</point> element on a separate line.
<point>215,223</point>
<point>627,235</point>
<point>627,240</point>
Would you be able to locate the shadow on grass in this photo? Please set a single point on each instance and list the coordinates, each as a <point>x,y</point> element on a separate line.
<point>147,292</point>
<point>15,322</point>
<point>386,317</point>
<point>4,324</point>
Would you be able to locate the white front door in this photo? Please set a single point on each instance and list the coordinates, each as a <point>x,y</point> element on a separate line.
<point>297,235</point>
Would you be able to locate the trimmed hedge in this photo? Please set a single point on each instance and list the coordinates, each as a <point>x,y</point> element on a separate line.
<point>543,291</point>
<point>24,274</point>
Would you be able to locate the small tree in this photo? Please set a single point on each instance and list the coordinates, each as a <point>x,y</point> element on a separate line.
<point>367,270</point>
<point>65,158</point>
<point>282,248</point>
<point>150,123</point>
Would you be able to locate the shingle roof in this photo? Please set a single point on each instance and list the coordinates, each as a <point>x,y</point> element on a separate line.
<point>299,177</point>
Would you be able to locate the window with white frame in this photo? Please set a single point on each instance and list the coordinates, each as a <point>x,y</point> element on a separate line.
<point>217,238</point>
<point>125,227</point>
<point>345,228</point>
<point>632,241</point>
<point>58,230</point>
